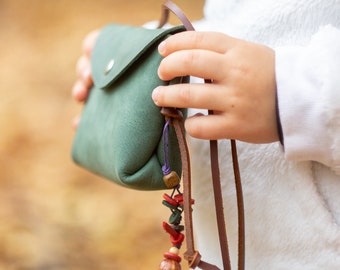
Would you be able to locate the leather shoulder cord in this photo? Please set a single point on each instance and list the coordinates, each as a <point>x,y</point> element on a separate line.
<point>193,256</point>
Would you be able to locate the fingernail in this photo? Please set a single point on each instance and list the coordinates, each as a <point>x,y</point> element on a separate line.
<point>155,94</point>
<point>161,48</point>
<point>86,75</point>
<point>76,89</point>
<point>75,122</point>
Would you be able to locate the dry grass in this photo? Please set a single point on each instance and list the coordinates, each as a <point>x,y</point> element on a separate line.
<point>53,214</point>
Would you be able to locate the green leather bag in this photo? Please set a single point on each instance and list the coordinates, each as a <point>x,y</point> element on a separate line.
<point>120,132</point>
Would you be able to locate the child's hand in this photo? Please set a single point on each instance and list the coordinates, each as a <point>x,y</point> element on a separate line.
<point>242,94</point>
<point>84,82</point>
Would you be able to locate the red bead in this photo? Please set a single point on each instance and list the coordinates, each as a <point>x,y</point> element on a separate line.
<point>178,240</point>
<point>170,230</point>
<point>179,199</point>
<point>172,256</point>
<point>170,200</point>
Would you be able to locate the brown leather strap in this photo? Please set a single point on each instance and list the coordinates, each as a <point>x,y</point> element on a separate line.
<point>170,6</point>
<point>219,204</point>
<point>240,208</point>
<point>193,256</point>
<point>218,196</point>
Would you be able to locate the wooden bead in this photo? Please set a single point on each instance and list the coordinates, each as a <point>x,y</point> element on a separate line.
<point>171,180</point>
<point>174,250</point>
<point>167,264</point>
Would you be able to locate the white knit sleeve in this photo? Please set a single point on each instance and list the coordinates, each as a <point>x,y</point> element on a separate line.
<point>308,85</point>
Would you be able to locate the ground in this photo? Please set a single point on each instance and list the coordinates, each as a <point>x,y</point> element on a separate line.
<point>53,214</point>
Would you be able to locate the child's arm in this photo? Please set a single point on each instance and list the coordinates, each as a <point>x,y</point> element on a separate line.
<point>308,80</point>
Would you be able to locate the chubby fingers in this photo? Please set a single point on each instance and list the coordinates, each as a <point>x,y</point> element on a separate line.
<point>191,40</point>
<point>82,85</point>
<point>83,69</point>
<point>208,127</point>
<point>89,42</point>
<point>84,82</point>
<point>199,54</point>
<point>199,96</point>
<point>197,63</point>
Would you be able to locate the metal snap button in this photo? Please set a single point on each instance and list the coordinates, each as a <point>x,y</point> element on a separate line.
<point>109,66</point>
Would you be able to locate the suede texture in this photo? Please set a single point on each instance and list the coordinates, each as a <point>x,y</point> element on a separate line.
<point>120,132</point>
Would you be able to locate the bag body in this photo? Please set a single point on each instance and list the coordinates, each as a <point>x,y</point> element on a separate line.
<point>119,136</point>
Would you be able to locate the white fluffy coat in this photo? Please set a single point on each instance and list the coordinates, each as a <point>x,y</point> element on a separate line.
<point>292,193</point>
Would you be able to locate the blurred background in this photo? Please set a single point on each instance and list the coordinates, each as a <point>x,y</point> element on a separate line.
<point>54,215</point>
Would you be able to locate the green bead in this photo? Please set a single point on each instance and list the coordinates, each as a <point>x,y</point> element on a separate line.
<point>175,217</point>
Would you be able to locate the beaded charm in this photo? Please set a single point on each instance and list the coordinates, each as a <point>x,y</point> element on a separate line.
<point>171,260</point>
<point>175,203</point>
<point>173,228</point>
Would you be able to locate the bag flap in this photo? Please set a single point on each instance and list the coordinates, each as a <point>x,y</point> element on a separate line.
<point>119,46</point>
